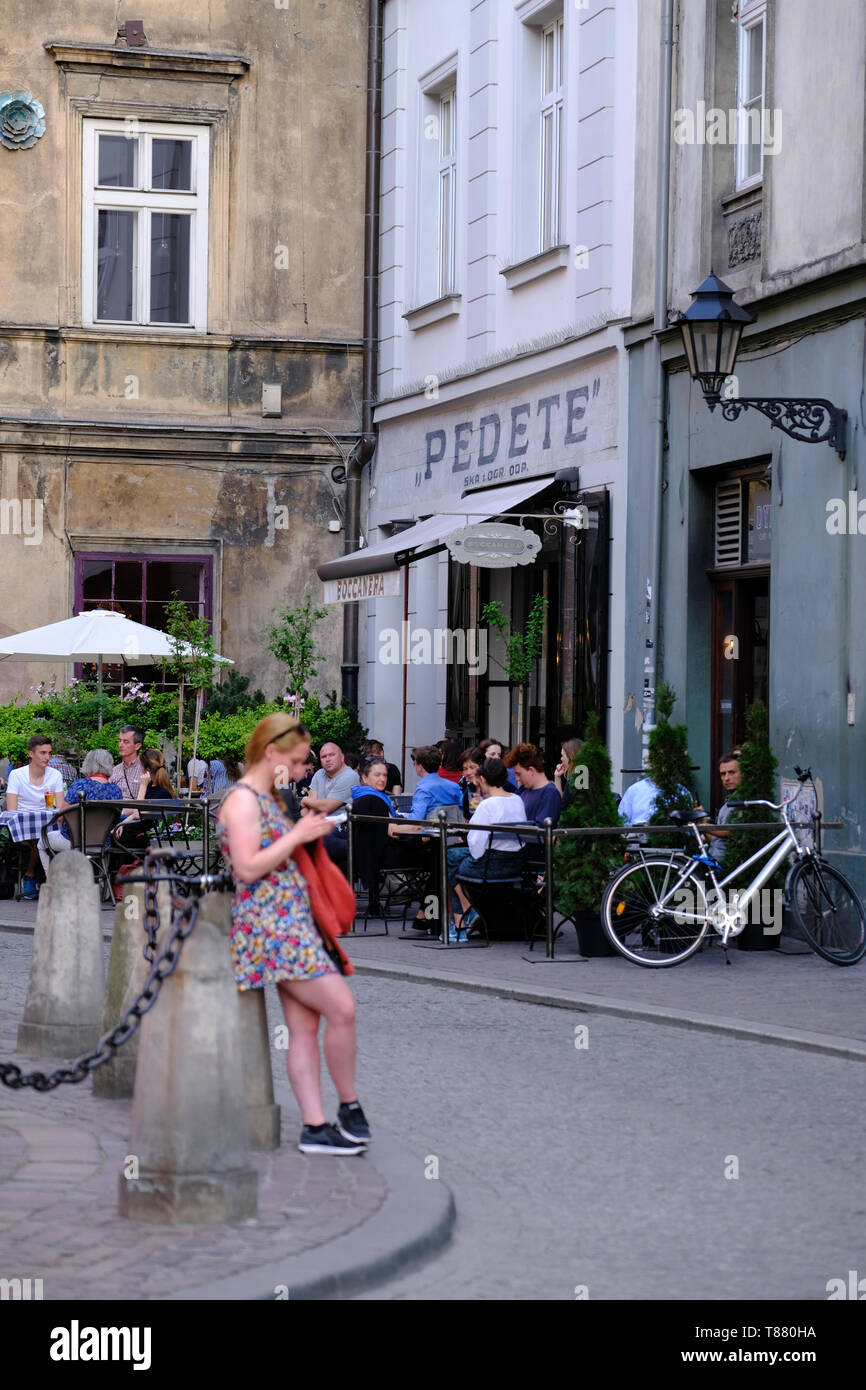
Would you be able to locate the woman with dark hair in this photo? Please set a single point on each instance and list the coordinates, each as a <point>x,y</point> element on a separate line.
<point>277,938</point>
<point>495,748</point>
<point>471,763</point>
<point>450,764</point>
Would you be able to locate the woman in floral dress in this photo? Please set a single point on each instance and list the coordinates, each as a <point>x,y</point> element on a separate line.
<point>274,936</point>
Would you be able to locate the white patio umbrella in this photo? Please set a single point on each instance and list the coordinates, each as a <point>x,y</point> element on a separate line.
<point>100,636</point>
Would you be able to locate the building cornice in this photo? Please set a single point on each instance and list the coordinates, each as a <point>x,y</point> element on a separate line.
<point>169,443</point>
<point>75,56</point>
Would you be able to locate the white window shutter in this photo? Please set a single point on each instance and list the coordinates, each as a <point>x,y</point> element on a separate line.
<point>729,523</point>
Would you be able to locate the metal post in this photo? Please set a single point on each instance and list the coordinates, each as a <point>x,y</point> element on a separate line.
<point>205,834</point>
<point>548,886</point>
<point>350,848</point>
<point>444,895</point>
<point>81,821</point>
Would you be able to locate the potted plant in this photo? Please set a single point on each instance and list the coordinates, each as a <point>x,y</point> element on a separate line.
<point>583,865</point>
<point>669,767</point>
<point>522,650</point>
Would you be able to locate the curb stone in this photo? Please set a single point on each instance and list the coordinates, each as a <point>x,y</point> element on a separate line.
<point>850,1048</point>
<point>423,1212</point>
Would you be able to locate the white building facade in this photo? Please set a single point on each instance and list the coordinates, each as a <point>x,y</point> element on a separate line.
<point>507,214</point>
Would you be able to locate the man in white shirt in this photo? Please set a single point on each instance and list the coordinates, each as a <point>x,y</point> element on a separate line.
<point>26,790</point>
<point>639,802</point>
<point>196,772</point>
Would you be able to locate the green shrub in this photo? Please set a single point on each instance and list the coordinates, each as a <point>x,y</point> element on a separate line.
<point>582,867</point>
<point>757,783</point>
<point>669,767</point>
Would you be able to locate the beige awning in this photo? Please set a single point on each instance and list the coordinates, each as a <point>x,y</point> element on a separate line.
<point>426,537</point>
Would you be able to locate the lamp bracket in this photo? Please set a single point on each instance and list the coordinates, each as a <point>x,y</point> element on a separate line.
<point>811,421</point>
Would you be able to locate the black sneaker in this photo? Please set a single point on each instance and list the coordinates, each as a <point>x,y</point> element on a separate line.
<point>328,1141</point>
<point>352,1123</point>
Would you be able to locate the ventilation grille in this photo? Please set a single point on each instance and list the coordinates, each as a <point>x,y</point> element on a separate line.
<point>729,523</point>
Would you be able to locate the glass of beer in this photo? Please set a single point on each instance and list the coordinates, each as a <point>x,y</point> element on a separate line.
<point>49,801</point>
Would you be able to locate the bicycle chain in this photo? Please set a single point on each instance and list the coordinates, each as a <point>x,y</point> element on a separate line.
<point>184,918</point>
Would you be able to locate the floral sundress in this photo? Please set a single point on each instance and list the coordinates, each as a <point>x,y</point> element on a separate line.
<point>274,936</point>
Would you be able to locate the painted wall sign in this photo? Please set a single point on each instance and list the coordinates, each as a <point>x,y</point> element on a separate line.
<point>514,432</point>
<point>493,545</point>
<point>362,586</point>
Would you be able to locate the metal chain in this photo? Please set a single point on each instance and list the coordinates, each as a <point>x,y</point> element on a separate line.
<point>184,918</point>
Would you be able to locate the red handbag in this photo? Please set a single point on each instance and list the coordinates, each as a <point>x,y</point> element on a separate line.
<point>331,899</point>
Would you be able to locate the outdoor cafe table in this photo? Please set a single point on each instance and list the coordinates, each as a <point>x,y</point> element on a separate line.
<point>25,825</point>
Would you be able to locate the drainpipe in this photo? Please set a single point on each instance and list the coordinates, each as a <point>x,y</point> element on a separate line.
<point>367,444</point>
<point>651,669</point>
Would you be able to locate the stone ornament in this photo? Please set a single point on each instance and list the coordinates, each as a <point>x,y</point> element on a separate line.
<point>22,120</point>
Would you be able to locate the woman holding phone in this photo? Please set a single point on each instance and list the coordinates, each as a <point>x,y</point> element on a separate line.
<point>274,935</point>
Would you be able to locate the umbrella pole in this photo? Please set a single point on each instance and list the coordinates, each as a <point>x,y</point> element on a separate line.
<point>99,693</point>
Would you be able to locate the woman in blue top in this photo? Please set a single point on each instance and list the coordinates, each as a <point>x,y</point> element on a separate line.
<point>95,782</point>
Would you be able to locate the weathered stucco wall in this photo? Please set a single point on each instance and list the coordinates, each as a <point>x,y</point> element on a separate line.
<point>136,438</point>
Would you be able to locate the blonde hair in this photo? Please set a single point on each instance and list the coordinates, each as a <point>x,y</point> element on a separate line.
<point>282,730</point>
<point>571,749</point>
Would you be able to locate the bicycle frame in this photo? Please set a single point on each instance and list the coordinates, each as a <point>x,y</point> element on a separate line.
<point>783,844</point>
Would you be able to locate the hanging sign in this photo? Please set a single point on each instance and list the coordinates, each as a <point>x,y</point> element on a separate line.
<point>361,586</point>
<point>493,545</point>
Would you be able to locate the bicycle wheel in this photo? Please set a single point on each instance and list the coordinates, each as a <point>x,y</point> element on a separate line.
<point>642,932</point>
<point>828,911</point>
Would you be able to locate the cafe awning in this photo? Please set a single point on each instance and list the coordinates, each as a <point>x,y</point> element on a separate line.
<point>426,537</point>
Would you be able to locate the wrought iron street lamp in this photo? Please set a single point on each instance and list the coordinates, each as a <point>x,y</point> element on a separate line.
<point>712,327</point>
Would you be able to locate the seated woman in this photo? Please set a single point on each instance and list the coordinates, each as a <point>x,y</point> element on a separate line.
<point>565,768</point>
<point>490,856</point>
<point>95,782</point>
<point>155,786</point>
<point>393,849</point>
<point>471,763</point>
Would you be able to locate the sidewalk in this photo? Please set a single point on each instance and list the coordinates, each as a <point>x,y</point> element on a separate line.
<point>326,1227</point>
<point>788,996</point>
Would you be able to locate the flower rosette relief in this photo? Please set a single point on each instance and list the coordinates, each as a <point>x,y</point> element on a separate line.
<point>22,120</point>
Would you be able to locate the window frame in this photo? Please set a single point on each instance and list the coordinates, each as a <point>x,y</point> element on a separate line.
<point>145,202</point>
<point>552,105</point>
<point>749,18</point>
<point>446,238</point>
<point>203,561</point>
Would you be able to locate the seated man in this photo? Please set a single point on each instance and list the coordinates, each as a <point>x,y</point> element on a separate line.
<point>331,787</point>
<point>638,803</point>
<point>26,791</point>
<point>729,771</point>
<point>541,800</point>
<point>432,790</point>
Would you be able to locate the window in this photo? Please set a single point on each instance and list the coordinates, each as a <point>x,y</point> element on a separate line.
<point>139,587</point>
<point>447,189</point>
<point>550,152</point>
<point>751,33</point>
<point>145,224</point>
<point>539,150</point>
<point>436,255</point>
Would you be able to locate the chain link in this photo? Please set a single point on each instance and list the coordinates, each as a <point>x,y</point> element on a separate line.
<point>184,918</point>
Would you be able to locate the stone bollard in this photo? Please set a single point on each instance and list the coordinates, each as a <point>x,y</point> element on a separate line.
<point>127,974</point>
<point>263,1115</point>
<point>67,976</point>
<point>189,1125</point>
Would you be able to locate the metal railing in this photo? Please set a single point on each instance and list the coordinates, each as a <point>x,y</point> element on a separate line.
<point>549,835</point>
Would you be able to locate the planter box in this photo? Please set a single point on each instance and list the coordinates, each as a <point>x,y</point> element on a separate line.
<point>591,936</point>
